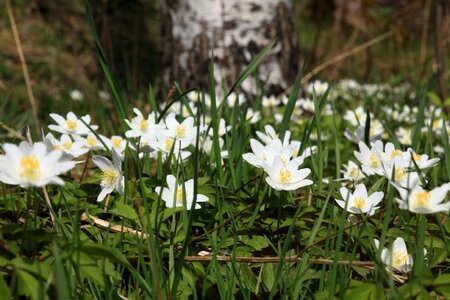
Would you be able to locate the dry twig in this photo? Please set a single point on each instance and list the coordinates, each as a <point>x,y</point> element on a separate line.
<point>115,228</point>
<point>23,62</point>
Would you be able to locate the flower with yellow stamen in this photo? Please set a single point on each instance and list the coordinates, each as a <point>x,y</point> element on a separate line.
<point>421,201</point>
<point>359,202</point>
<point>112,177</point>
<point>32,165</point>
<point>397,258</point>
<point>287,175</point>
<point>71,124</point>
<point>179,195</point>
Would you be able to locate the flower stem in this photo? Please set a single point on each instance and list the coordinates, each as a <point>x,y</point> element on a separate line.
<point>105,208</point>
<point>49,205</point>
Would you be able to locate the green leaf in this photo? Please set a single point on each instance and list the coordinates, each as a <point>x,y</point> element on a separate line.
<point>256,242</point>
<point>28,285</point>
<point>4,288</point>
<point>364,291</point>
<point>289,108</point>
<point>443,279</point>
<point>118,101</point>
<point>122,210</point>
<point>268,275</point>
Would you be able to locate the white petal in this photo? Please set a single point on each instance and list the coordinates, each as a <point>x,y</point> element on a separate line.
<point>399,246</point>
<point>103,194</point>
<point>202,198</point>
<point>171,182</point>
<point>102,162</point>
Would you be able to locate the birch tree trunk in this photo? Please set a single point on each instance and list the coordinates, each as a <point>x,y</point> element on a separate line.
<point>236,30</point>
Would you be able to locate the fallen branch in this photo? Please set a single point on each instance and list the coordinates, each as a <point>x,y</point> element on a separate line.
<point>276,259</point>
<point>292,259</point>
<point>115,228</point>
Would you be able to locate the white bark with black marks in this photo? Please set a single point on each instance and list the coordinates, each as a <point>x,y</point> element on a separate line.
<point>236,30</point>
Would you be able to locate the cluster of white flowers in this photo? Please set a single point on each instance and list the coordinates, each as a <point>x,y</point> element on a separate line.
<point>279,159</point>
<point>404,170</point>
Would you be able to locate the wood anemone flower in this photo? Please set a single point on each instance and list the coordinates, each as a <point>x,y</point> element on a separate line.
<point>112,177</point>
<point>32,165</point>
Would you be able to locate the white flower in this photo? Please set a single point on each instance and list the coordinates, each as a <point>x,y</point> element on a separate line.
<point>32,165</point>
<point>223,128</point>
<point>420,201</point>
<point>71,125</point>
<point>270,101</point>
<point>317,87</point>
<point>117,143</point>
<point>271,135</point>
<point>404,135</point>
<point>436,126</point>
<point>112,177</point>
<point>287,175</point>
<point>104,95</point>
<point>236,99</point>
<point>422,160</point>
<point>177,195</point>
<point>196,97</point>
<point>360,202</point>
<point>165,143</point>
<point>358,135</point>
<point>397,257</point>
<point>66,145</point>
<point>370,158</point>
<point>262,154</point>
<point>91,142</point>
<point>76,95</point>
<point>252,116</point>
<point>352,172</point>
<point>356,117</point>
<point>184,132</point>
<point>399,174</point>
<point>139,126</point>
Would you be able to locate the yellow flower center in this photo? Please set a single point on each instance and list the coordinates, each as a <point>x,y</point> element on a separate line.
<point>58,147</point>
<point>71,125</point>
<point>436,124</point>
<point>263,156</point>
<point>180,195</point>
<point>284,176</point>
<point>399,174</point>
<point>374,161</point>
<point>422,199</point>
<point>417,157</point>
<point>359,202</point>
<point>67,145</point>
<point>143,124</point>
<point>180,131</point>
<point>353,172</point>
<point>396,153</point>
<point>109,177</point>
<point>91,141</point>
<point>295,154</point>
<point>168,143</point>
<point>29,168</point>
<point>399,259</point>
<point>116,142</point>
